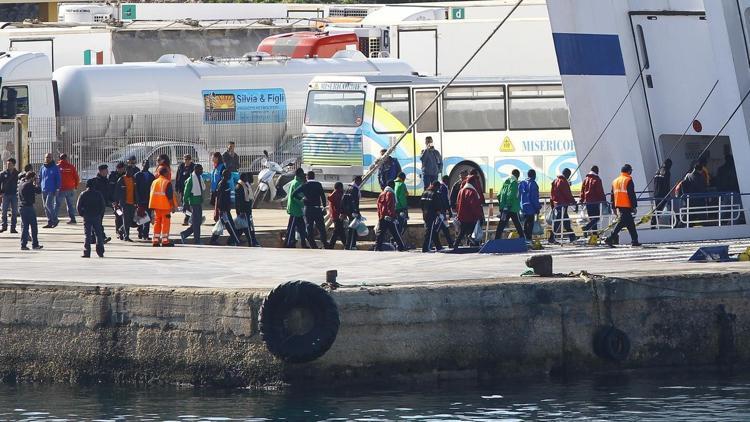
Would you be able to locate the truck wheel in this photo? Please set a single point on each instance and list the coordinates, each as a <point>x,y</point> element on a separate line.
<point>298,321</point>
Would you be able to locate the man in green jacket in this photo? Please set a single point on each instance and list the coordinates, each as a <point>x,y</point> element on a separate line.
<point>402,206</point>
<point>510,205</point>
<point>192,199</point>
<point>295,209</point>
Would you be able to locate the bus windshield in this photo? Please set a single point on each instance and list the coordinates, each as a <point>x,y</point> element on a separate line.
<point>335,108</point>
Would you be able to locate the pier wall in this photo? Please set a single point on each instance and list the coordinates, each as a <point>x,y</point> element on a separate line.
<point>433,331</point>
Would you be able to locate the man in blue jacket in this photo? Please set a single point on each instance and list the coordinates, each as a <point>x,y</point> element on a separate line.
<point>530,205</point>
<point>50,181</point>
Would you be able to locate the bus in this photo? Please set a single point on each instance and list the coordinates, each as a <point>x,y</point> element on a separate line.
<point>488,124</point>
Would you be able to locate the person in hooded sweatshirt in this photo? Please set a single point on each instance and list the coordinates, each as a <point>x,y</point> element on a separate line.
<point>295,209</point>
<point>469,208</point>
<point>593,197</point>
<point>510,205</point>
<point>243,194</point>
<point>561,198</point>
<point>314,199</point>
<point>192,195</point>
<point>336,215</point>
<point>528,190</point>
<point>27,197</point>
<point>387,218</point>
<point>91,207</point>
<point>223,209</point>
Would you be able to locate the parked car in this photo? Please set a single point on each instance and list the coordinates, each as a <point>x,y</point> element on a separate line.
<point>175,150</point>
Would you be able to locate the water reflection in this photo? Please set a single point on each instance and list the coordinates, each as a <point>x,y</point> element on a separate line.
<point>659,397</point>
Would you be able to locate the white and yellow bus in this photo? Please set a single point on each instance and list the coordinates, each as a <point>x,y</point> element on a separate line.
<point>492,125</point>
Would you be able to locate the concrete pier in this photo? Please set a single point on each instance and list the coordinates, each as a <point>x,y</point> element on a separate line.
<point>190,314</point>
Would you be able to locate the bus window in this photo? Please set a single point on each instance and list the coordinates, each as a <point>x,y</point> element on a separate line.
<point>14,100</point>
<point>335,108</point>
<point>468,108</point>
<point>429,122</point>
<point>390,104</point>
<point>537,107</point>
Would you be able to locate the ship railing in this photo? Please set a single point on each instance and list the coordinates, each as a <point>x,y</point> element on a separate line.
<point>713,209</point>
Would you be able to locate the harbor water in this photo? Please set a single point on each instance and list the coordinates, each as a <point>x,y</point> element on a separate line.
<point>628,397</point>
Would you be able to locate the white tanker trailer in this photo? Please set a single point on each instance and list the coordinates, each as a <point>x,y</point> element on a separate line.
<point>258,101</point>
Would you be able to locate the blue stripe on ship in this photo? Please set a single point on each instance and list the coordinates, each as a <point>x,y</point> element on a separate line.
<point>589,54</point>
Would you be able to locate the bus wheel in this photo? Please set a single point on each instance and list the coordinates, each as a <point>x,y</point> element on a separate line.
<point>455,174</point>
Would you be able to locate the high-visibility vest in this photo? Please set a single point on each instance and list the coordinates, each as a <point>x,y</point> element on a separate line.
<point>620,191</point>
<point>158,199</point>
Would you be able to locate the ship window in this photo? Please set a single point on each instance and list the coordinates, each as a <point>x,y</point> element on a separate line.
<point>14,100</point>
<point>391,113</point>
<point>537,107</point>
<point>474,108</point>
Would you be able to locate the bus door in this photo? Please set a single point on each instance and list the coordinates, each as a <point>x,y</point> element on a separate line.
<point>429,125</point>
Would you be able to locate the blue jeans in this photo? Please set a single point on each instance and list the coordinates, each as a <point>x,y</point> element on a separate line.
<point>10,201</point>
<point>50,206</point>
<point>29,226</point>
<point>70,201</point>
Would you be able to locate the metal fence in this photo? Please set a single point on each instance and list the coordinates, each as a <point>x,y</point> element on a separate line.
<point>93,140</point>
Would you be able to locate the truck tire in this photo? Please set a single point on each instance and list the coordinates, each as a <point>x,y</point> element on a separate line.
<point>454,177</point>
<point>298,321</point>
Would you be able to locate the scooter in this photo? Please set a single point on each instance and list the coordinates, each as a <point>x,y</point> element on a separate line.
<point>266,190</point>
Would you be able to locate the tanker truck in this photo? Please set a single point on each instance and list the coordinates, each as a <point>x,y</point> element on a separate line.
<point>98,113</point>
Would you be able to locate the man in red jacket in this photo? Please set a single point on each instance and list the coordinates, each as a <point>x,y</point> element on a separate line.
<point>387,217</point>
<point>593,197</point>
<point>336,215</point>
<point>469,209</point>
<point>69,181</point>
<point>561,198</point>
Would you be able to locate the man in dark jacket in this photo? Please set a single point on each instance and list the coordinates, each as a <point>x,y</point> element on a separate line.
<point>662,188</point>
<point>388,170</point>
<point>91,207</point>
<point>445,213</point>
<point>184,170</point>
<point>593,197</point>
<point>113,178</point>
<point>314,198</point>
<point>432,205</point>
<point>9,189</point>
<point>350,209</point>
<point>432,162</point>
<point>143,181</point>
<point>231,159</point>
<point>27,197</point>
<point>334,203</point>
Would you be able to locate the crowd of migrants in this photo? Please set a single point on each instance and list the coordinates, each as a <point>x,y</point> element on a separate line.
<point>140,197</point>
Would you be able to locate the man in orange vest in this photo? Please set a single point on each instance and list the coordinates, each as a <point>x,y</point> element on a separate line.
<point>162,201</point>
<point>625,203</point>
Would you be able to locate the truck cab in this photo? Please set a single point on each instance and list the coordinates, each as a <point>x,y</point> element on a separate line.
<point>27,101</point>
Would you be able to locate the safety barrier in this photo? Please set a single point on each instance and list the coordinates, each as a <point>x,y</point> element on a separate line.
<point>691,210</point>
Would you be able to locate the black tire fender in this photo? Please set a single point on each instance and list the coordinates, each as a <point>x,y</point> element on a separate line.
<point>298,321</point>
<point>612,344</point>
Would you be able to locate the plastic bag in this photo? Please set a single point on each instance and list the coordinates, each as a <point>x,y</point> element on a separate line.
<point>241,223</point>
<point>538,230</point>
<point>141,220</point>
<point>478,234</point>
<point>218,228</point>
<point>362,229</point>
